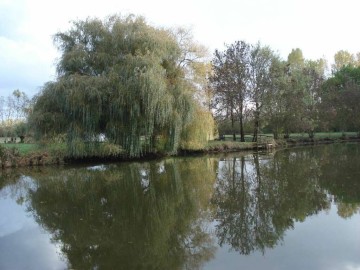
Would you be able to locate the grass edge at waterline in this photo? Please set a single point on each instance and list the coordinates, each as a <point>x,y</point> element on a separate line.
<point>26,154</point>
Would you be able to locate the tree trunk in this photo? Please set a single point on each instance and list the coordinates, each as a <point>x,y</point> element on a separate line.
<point>276,134</point>
<point>256,124</point>
<point>242,134</point>
<point>232,126</point>
<point>256,128</point>
<point>255,135</point>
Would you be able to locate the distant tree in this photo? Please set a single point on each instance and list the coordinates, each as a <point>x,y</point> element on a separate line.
<point>13,110</point>
<point>229,81</point>
<point>275,110</point>
<point>342,59</point>
<point>21,130</point>
<point>284,104</point>
<point>358,59</point>
<point>260,82</point>
<point>121,78</point>
<point>340,98</point>
<point>2,108</point>
<point>295,94</point>
<point>195,60</point>
<point>296,59</point>
<point>20,103</point>
<point>313,77</point>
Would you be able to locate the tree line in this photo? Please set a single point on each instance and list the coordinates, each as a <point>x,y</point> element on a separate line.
<point>148,90</point>
<point>252,85</point>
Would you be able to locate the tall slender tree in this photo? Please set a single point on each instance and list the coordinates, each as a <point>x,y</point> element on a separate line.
<point>229,80</point>
<point>260,82</point>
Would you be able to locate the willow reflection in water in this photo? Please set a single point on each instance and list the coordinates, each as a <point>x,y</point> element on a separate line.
<point>135,216</point>
<point>179,212</point>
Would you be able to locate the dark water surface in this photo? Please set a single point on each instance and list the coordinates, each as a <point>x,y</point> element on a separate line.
<point>291,209</point>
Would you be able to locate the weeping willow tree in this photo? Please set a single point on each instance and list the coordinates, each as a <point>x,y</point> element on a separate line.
<point>119,79</point>
<point>201,129</point>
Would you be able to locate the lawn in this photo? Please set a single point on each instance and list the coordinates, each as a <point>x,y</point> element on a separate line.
<point>318,135</point>
<point>220,146</point>
<point>248,138</point>
<point>24,148</point>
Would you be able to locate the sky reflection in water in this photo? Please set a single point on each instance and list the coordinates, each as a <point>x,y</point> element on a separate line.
<point>23,243</point>
<point>322,242</point>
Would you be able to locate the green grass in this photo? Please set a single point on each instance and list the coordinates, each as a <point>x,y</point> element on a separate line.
<point>323,135</point>
<point>335,135</point>
<point>228,145</point>
<point>318,135</point>
<point>24,148</point>
<point>248,138</point>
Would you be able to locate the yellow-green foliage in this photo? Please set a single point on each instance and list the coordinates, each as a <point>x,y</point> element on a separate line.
<point>80,149</point>
<point>199,131</point>
<point>120,78</point>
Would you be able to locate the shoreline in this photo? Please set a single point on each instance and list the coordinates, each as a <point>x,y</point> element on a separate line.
<point>9,160</point>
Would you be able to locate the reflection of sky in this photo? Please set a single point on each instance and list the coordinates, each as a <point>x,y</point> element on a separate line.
<point>23,244</point>
<point>101,167</point>
<point>322,242</point>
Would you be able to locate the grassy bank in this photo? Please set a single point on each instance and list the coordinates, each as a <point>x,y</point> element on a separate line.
<point>298,136</point>
<point>228,145</point>
<point>17,155</point>
<point>26,154</point>
<point>22,148</point>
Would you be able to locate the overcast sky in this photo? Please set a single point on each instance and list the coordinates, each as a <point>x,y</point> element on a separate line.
<point>318,27</point>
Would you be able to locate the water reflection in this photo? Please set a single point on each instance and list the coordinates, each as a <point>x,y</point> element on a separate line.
<point>258,198</point>
<point>340,173</point>
<point>174,213</point>
<point>245,207</point>
<point>136,216</point>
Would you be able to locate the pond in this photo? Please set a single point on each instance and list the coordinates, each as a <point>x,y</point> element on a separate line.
<point>295,208</point>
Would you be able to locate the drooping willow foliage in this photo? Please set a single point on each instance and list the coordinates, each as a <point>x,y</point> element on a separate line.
<point>118,79</point>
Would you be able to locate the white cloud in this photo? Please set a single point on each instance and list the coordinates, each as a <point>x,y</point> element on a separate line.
<point>319,28</point>
<point>24,66</point>
<point>352,267</point>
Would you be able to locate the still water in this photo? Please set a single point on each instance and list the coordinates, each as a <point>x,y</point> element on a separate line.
<point>291,209</point>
